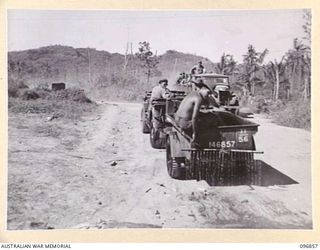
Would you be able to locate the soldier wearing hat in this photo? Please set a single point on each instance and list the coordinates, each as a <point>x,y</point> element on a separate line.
<point>161,91</point>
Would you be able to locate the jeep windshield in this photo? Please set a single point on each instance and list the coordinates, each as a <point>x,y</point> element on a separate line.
<point>215,80</point>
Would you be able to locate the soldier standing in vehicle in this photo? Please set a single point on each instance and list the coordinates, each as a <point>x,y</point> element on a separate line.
<point>159,92</point>
<point>187,115</point>
<point>198,69</point>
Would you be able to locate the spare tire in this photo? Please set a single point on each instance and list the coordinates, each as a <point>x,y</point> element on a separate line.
<point>145,127</point>
<point>174,166</point>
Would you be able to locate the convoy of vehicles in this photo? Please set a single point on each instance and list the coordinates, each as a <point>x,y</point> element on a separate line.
<point>225,155</point>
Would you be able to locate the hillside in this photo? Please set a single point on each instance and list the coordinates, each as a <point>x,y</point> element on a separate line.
<point>174,62</point>
<point>93,70</point>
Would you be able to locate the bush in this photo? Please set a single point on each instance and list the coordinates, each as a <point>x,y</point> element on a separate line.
<point>43,87</point>
<point>293,114</point>
<point>22,85</point>
<point>62,109</point>
<point>73,94</point>
<point>30,94</point>
<point>67,103</point>
<point>15,87</point>
<point>120,87</point>
<point>13,91</point>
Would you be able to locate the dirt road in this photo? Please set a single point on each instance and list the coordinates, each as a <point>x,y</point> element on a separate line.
<point>101,173</point>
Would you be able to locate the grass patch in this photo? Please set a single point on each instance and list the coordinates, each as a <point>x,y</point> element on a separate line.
<point>15,88</point>
<point>68,103</point>
<point>51,130</point>
<point>295,114</point>
<point>60,109</point>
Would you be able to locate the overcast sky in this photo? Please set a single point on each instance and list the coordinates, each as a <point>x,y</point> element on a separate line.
<point>205,33</point>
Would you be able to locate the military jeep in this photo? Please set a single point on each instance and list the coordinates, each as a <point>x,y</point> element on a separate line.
<point>220,86</point>
<point>153,118</point>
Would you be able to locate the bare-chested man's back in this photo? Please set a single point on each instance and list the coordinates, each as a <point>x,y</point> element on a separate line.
<point>189,106</point>
<point>188,111</point>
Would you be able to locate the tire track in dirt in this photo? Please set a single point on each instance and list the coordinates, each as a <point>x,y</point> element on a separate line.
<point>113,178</point>
<point>122,151</point>
<point>149,196</point>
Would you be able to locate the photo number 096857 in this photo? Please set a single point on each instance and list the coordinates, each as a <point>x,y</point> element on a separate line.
<point>309,246</point>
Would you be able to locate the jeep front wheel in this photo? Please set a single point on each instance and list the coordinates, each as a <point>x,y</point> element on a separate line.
<point>175,167</point>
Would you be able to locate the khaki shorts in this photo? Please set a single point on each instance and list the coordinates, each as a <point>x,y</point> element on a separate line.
<point>184,124</point>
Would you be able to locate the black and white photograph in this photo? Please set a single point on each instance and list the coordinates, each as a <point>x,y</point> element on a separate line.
<point>165,119</point>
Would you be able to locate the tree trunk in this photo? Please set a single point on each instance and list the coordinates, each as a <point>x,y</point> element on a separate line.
<point>252,83</point>
<point>273,91</point>
<point>292,79</point>
<point>301,83</point>
<point>288,90</point>
<point>89,66</point>
<point>126,59</point>
<point>249,87</point>
<point>277,84</point>
<point>288,93</point>
<point>252,87</point>
<point>148,76</point>
<point>305,96</point>
<point>245,91</point>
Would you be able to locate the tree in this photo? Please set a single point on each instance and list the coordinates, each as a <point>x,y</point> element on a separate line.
<point>127,57</point>
<point>227,65</point>
<point>307,39</point>
<point>299,60</point>
<point>307,27</point>
<point>148,60</point>
<point>299,64</point>
<point>252,63</point>
<point>274,72</point>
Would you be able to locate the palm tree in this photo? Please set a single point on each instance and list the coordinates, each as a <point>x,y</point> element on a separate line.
<point>227,65</point>
<point>307,27</point>
<point>252,63</point>
<point>274,72</point>
<point>299,64</point>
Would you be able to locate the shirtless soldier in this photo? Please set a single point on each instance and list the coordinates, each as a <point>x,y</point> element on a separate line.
<point>187,115</point>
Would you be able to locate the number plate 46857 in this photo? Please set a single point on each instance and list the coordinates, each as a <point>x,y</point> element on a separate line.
<point>221,144</point>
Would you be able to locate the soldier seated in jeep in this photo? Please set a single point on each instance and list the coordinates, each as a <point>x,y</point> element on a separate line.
<point>181,79</point>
